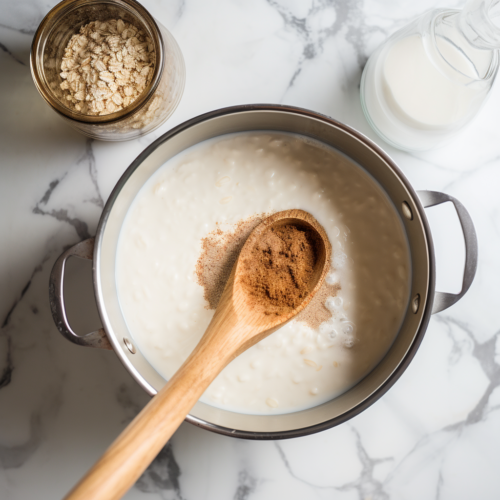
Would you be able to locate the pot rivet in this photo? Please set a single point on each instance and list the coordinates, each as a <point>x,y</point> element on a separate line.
<point>415,303</point>
<point>129,345</point>
<point>406,210</point>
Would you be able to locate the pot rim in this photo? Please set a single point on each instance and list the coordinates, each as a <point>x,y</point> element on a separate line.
<point>418,337</point>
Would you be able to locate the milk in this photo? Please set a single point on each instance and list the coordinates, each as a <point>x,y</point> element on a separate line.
<point>426,82</point>
<point>418,91</point>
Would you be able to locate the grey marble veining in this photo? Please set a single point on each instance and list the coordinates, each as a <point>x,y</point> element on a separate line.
<point>435,435</point>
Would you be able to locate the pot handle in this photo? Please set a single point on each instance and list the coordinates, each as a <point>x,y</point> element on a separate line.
<point>443,300</point>
<point>84,250</point>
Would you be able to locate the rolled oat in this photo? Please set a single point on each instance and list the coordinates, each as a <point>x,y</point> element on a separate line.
<point>106,67</point>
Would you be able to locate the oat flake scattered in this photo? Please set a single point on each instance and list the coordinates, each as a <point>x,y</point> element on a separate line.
<point>311,363</point>
<point>272,403</point>
<point>106,67</point>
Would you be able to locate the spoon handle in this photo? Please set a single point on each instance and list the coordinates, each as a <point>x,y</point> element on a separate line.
<point>136,447</point>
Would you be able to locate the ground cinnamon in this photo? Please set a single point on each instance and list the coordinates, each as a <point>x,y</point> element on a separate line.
<point>276,272</point>
<point>219,251</point>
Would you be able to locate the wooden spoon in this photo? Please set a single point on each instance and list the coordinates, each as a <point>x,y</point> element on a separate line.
<point>235,326</point>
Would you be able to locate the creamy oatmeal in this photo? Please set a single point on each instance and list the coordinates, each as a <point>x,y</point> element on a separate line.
<point>215,186</point>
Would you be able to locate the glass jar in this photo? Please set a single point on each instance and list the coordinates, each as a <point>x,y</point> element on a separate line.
<point>150,109</point>
<point>430,78</point>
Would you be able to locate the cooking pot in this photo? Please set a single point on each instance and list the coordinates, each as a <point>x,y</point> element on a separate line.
<point>423,299</point>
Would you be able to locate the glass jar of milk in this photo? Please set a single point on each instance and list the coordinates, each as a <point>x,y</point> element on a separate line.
<point>430,78</point>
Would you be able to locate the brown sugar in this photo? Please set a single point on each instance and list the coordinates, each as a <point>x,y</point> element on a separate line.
<point>219,252</point>
<point>277,271</point>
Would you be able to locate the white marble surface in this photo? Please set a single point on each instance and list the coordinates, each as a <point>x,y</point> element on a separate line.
<point>435,435</point>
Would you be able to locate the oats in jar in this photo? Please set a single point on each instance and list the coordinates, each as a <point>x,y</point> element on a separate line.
<point>106,67</point>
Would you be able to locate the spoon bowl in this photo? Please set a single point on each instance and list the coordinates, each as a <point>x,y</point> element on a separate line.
<point>237,324</point>
<point>253,325</point>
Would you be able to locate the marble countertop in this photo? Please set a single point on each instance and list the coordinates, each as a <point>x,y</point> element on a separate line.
<point>434,435</point>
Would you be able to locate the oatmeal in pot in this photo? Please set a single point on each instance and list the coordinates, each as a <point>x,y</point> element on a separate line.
<point>182,236</point>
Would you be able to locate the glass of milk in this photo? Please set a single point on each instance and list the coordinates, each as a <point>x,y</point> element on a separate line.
<point>430,78</point>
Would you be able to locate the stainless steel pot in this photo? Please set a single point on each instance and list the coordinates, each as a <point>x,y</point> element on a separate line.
<point>423,299</point>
